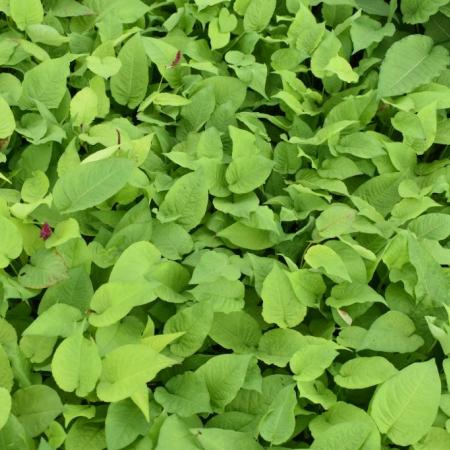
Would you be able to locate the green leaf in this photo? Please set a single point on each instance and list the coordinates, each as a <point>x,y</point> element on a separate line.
<point>405,406</point>
<point>436,439</point>
<point>70,8</point>
<point>280,303</point>
<point>135,262</point>
<point>159,50</point>
<point>304,32</point>
<point>222,295</point>
<point>175,432</point>
<point>224,375</point>
<point>258,14</point>
<point>75,291</point>
<point>431,226</point>
<point>218,38</point>
<point>327,49</point>
<point>200,108</point>
<point>321,256</point>
<point>213,265</point>
<point>219,439</point>
<point>392,332</point>
<point>123,424</point>
<point>310,362</point>
<point>84,434</point>
<point>366,31</point>
<point>409,63</point>
<point>247,173</point>
<point>11,241</point>
<point>5,406</point>
<point>128,368</point>
<point>8,123</point>
<point>166,99</point>
<point>114,300</point>
<point>381,191</point>
<point>76,365</point>
<point>227,90</point>
<point>129,13</point>
<point>347,294</point>
<point>37,81</point>
<point>35,188</point>
<point>184,395</point>
<point>316,392</point>
<point>361,108</point>
<point>194,322</point>
<point>46,34</point>
<point>172,240</point>
<point>202,4</point>
<point>83,107</point>
<point>36,407</point>
<point>278,423</point>
<point>104,67</point>
<point>73,411</point>
<point>91,183</point>
<point>277,346</point>
<point>344,436</point>
<point>186,201</point>
<point>419,130</point>
<point>242,235</point>
<point>237,205</point>
<point>344,426</point>
<point>363,372</point>
<point>237,331</point>
<point>6,373</point>
<point>432,283</point>
<point>129,85</point>
<point>227,21</point>
<point>46,269</point>
<point>58,320</point>
<point>255,76</point>
<point>15,436</point>
<point>378,7</point>
<point>342,68</point>
<point>26,12</point>
<point>419,11</point>
<point>63,232</point>
<point>335,220</point>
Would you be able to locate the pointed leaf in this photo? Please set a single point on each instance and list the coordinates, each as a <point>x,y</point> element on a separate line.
<point>91,183</point>
<point>7,124</point>
<point>410,63</point>
<point>405,406</point>
<point>129,85</point>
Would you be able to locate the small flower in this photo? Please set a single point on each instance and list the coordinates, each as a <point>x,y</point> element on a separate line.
<point>176,60</point>
<point>46,231</point>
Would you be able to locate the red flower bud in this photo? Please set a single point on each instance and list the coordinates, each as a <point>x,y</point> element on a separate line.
<point>176,60</point>
<point>46,231</point>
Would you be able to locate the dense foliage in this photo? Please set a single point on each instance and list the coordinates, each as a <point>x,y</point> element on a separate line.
<point>224,224</point>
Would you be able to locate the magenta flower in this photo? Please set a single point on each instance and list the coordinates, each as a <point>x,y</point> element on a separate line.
<point>46,231</point>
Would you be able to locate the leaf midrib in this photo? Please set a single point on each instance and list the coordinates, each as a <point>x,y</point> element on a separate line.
<point>79,200</point>
<point>408,72</point>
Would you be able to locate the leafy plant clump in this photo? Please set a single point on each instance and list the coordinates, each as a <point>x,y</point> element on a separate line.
<point>224,224</point>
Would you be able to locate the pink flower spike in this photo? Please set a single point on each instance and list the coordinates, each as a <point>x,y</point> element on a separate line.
<point>46,231</point>
<point>176,60</point>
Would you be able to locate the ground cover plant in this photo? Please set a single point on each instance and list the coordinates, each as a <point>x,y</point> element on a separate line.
<point>224,225</point>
